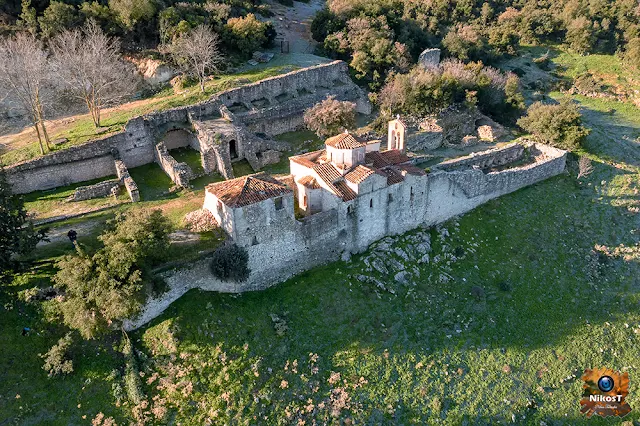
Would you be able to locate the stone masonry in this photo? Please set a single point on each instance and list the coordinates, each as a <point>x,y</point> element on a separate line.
<point>268,107</point>
<point>281,246</point>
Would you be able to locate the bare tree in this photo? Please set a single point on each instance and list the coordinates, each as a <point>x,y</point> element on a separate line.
<point>23,76</point>
<point>585,168</point>
<point>198,52</point>
<point>90,66</point>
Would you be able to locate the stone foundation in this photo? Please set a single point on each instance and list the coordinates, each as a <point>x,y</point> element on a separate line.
<point>271,106</point>
<point>99,190</point>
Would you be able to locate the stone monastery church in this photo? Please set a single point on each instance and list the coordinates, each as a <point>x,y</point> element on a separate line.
<point>320,181</point>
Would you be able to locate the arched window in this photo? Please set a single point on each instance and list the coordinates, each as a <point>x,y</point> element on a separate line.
<point>371,203</point>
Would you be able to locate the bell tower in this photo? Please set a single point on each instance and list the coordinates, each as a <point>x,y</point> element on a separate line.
<point>397,134</point>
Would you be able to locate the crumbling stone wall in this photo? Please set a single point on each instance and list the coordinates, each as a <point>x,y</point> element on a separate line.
<point>98,190</point>
<point>485,159</point>
<point>277,102</point>
<point>180,173</point>
<point>125,178</point>
<point>352,226</point>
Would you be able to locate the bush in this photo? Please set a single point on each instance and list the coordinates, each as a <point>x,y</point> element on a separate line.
<point>247,34</point>
<point>330,117</point>
<point>559,125</point>
<point>230,262</point>
<point>56,360</point>
<point>422,92</point>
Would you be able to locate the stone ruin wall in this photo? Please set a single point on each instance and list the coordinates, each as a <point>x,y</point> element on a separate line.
<point>180,173</point>
<point>135,145</point>
<point>323,237</point>
<point>100,189</point>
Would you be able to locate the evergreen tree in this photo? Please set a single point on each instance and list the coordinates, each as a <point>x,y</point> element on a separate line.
<point>17,235</point>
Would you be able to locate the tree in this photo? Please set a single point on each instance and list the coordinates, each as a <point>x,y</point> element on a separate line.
<point>18,235</point>
<point>330,117</point>
<point>131,12</point>
<point>230,262</point>
<point>247,33</point>
<point>559,125</point>
<point>28,19</point>
<point>89,66</point>
<point>56,359</point>
<point>24,76</point>
<point>57,17</point>
<point>111,285</point>
<point>198,52</point>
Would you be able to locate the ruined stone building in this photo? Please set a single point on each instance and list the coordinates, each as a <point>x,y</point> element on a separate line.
<point>233,125</point>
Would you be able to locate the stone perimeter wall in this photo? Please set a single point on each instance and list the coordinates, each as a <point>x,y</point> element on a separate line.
<point>353,226</point>
<point>135,145</point>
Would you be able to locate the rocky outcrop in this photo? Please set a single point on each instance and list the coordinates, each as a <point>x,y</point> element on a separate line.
<point>455,126</point>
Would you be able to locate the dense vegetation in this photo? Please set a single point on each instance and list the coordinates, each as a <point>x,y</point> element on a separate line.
<point>429,91</point>
<point>18,237</point>
<point>103,288</point>
<point>144,23</point>
<point>377,36</point>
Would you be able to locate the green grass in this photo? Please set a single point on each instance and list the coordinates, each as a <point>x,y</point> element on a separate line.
<point>242,168</point>
<point>190,156</point>
<point>51,203</point>
<point>431,354</point>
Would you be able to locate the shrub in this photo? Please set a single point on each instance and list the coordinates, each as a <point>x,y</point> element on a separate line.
<point>330,117</point>
<point>559,125</point>
<point>422,92</point>
<point>56,359</point>
<point>230,262</point>
<point>247,34</point>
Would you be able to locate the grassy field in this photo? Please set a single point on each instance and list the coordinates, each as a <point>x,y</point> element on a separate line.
<point>519,297</point>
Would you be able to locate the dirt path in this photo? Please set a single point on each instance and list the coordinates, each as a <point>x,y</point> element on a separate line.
<point>293,24</point>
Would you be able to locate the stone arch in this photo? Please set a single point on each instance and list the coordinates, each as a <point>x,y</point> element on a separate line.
<point>233,149</point>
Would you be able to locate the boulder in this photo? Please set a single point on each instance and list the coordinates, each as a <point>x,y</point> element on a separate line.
<point>429,58</point>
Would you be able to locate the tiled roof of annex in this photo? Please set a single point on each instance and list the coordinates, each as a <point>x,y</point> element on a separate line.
<point>246,190</point>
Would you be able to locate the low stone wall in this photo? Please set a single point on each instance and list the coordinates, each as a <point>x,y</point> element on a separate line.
<point>130,185</point>
<point>99,190</point>
<point>91,160</point>
<point>180,173</point>
<point>485,159</point>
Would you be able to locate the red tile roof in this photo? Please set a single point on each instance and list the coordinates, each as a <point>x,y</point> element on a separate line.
<point>411,169</point>
<point>344,141</point>
<point>385,158</point>
<point>309,159</point>
<point>393,176</point>
<point>247,190</point>
<point>327,172</point>
<point>309,182</point>
<point>359,174</point>
<point>345,192</point>
<point>393,156</point>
